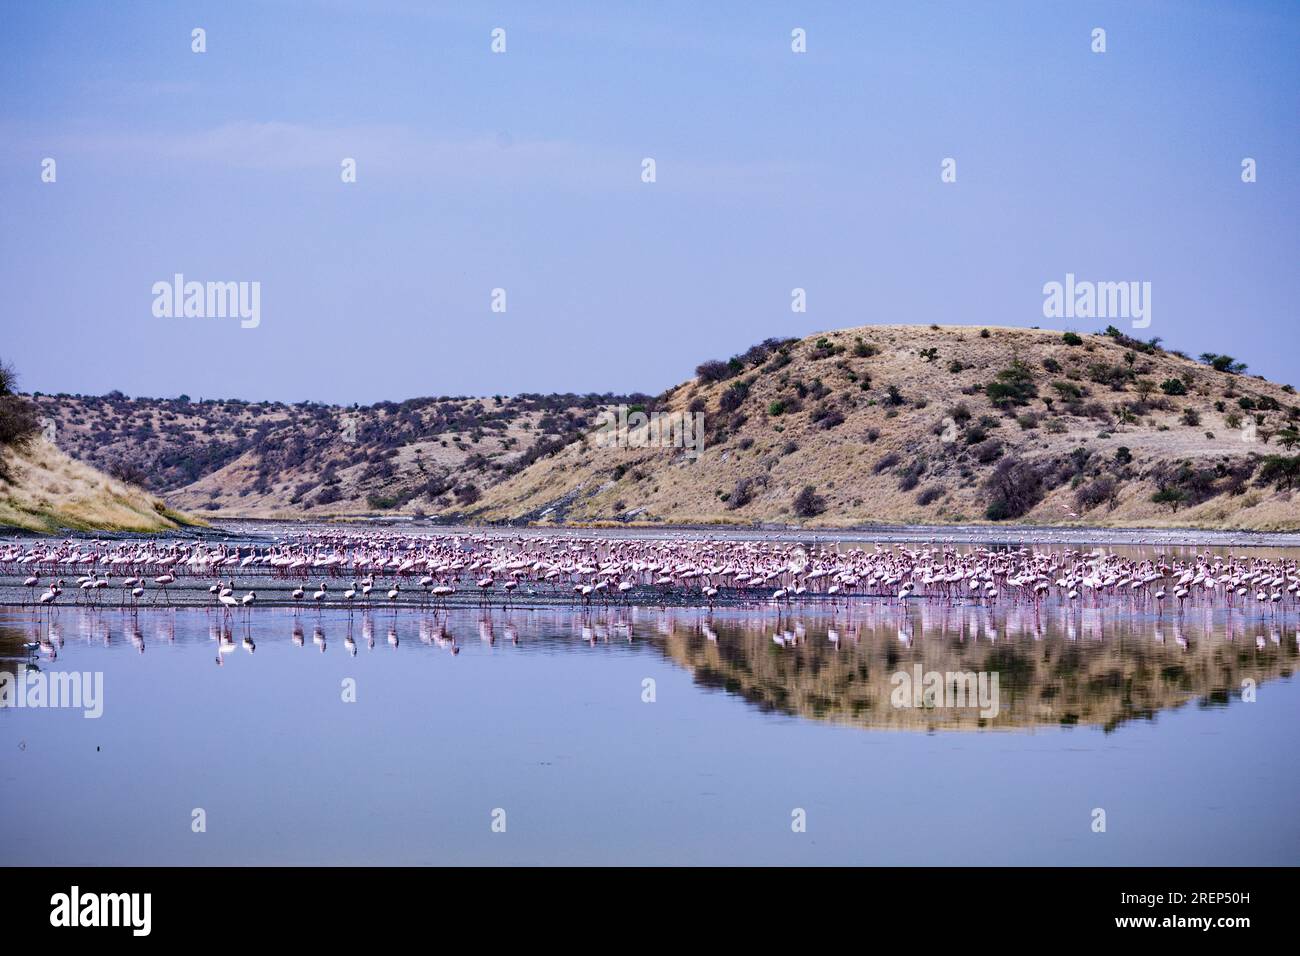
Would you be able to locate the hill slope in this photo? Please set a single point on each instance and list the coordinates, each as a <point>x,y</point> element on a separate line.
<point>944,425</point>
<point>50,491</point>
<point>269,459</point>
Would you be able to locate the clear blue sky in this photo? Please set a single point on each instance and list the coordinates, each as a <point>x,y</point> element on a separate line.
<point>522,171</point>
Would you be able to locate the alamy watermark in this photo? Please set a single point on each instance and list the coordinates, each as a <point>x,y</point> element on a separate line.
<point>1098,300</point>
<point>617,427</point>
<point>953,689</point>
<point>71,689</point>
<point>208,300</point>
<point>75,908</point>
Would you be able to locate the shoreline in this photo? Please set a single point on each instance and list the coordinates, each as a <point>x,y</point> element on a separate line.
<point>974,535</point>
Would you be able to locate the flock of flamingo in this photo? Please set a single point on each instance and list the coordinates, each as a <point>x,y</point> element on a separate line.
<point>338,568</point>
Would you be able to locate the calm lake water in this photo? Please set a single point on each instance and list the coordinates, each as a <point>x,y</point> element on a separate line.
<point>543,714</point>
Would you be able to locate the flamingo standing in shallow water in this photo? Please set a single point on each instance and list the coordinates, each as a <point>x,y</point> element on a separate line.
<point>162,581</point>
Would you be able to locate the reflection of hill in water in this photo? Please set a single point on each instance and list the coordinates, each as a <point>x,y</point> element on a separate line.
<point>1054,667</point>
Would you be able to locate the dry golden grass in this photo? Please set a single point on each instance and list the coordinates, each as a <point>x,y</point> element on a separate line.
<point>50,491</point>
<point>584,483</point>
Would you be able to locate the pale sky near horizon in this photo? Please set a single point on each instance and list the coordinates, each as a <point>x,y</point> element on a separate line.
<point>522,170</point>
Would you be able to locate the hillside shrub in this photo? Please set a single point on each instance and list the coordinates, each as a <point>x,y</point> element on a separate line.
<point>807,503</point>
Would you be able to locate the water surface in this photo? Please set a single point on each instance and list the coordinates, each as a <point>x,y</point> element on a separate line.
<point>542,714</point>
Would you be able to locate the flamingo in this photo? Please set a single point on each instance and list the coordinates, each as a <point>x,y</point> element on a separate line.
<point>50,596</point>
<point>163,580</point>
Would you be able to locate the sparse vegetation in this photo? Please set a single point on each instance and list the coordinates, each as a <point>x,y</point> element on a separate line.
<point>742,494</point>
<point>987,451</point>
<point>1023,404</point>
<point>1014,385</point>
<point>1013,489</point>
<point>269,457</point>
<point>1103,490</point>
<point>718,371</point>
<point>18,421</point>
<point>1280,470</point>
<point>809,504</point>
<point>1173,497</point>
<point>733,396</point>
<point>910,476</point>
<point>826,416</point>
<point>863,350</point>
<point>929,495</point>
<point>1223,363</point>
<point>824,348</point>
<point>885,463</point>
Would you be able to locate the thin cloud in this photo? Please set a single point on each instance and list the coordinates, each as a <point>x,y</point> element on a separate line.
<point>399,152</point>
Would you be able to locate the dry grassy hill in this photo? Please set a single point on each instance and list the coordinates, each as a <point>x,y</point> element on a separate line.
<point>269,459</point>
<point>49,491</point>
<point>944,424</point>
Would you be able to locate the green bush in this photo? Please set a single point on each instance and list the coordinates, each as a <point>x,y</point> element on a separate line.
<point>1013,385</point>
<point>1170,496</point>
<point>1280,470</point>
<point>1223,363</point>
